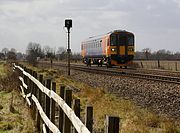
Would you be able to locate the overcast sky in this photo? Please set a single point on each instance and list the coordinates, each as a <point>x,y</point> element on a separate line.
<point>155,23</point>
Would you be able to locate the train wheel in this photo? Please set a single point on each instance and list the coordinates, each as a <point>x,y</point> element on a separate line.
<point>89,62</point>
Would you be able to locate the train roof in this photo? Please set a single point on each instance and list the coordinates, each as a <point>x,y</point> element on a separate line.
<point>102,35</point>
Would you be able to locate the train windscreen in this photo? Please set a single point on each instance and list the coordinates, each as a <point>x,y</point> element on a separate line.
<point>131,40</point>
<point>118,40</point>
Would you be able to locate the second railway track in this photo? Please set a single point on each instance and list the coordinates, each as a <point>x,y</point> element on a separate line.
<point>154,77</point>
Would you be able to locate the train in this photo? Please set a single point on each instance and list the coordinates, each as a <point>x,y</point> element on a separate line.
<point>115,48</point>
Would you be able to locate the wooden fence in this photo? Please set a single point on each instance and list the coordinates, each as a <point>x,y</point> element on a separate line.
<point>42,99</point>
<point>159,64</point>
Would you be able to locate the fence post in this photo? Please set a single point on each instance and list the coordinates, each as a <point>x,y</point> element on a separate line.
<point>89,118</point>
<point>142,65</point>
<point>61,114</point>
<point>176,65</point>
<point>77,109</point>
<point>53,104</point>
<point>25,81</point>
<point>112,124</point>
<point>159,64</point>
<point>34,91</point>
<point>44,97</point>
<point>43,101</point>
<point>48,85</point>
<point>40,101</point>
<point>67,122</point>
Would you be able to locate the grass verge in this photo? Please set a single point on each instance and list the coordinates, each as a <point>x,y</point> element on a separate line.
<point>14,115</point>
<point>133,118</point>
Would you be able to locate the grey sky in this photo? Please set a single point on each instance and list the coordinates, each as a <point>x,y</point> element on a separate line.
<point>155,23</point>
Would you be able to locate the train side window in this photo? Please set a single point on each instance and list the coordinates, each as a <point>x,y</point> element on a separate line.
<point>100,43</point>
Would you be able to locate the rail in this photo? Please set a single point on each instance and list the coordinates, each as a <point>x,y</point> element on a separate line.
<point>160,78</point>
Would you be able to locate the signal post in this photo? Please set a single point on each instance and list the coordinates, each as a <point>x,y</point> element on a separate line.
<point>68,25</point>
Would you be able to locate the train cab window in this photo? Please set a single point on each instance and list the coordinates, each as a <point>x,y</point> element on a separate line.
<point>131,40</point>
<point>122,40</point>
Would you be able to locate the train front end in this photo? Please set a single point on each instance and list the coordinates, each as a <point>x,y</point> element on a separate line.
<point>121,48</point>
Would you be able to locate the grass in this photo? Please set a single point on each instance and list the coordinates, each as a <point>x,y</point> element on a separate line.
<point>2,70</point>
<point>18,120</point>
<point>133,118</point>
<point>14,115</point>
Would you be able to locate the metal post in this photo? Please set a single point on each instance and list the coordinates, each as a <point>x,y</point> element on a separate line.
<point>68,51</point>
<point>68,25</point>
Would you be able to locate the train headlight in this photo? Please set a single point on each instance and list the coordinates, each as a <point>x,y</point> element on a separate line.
<point>113,49</point>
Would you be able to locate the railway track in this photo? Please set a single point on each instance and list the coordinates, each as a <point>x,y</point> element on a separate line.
<point>118,72</point>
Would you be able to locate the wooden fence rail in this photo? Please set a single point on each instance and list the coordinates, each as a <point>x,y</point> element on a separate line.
<point>42,100</point>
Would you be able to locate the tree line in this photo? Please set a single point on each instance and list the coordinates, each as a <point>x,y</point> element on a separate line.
<point>162,54</point>
<point>35,52</point>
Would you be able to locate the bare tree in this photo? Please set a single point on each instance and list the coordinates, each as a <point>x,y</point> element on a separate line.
<point>46,50</point>
<point>13,50</point>
<point>164,54</point>
<point>49,52</point>
<point>61,53</point>
<point>2,56</point>
<point>147,52</point>
<point>33,51</point>
<point>11,56</point>
<point>19,56</point>
<point>5,51</point>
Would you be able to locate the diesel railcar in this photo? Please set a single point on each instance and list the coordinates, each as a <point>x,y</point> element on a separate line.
<point>114,48</point>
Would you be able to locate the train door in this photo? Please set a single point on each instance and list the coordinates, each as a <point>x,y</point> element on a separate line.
<point>123,45</point>
<point>117,44</point>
